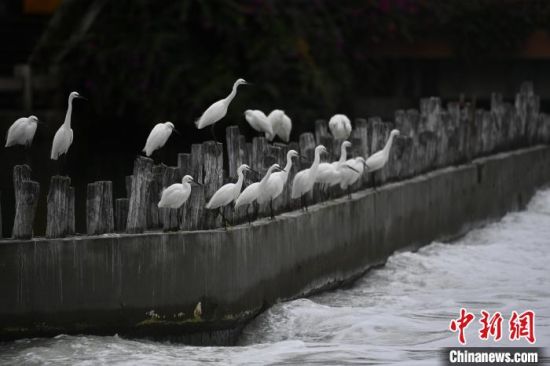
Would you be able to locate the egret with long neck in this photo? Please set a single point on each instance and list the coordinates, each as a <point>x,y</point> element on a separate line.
<point>255,190</point>
<point>218,110</point>
<point>276,183</point>
<point>305,179</point>
<point>227,193</point>
<point>64,136</point>
<point>379,159</point>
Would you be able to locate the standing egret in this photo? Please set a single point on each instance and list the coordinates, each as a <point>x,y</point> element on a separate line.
<point>177,194</point>
<point>340,126</point>
<point>329,173</point>
<point>305,179</point>
<point>22,131</point>
<point>218,110</point>
<point>348,177</point>
<point>227,193</point>
<point>281,124</point>
<point>377,160</point>
<point>276,182</point>
<point>258,121</point>
<point>253,191</point>
<point>64,136</point>
<point>158,137</point>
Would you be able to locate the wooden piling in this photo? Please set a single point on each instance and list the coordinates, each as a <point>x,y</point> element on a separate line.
<point>307,150</point>
<point>234,155</point>
<point>213,179</point>
<point>121,214</point>
<point>361,134</point>
<point>58,202</point>
<point>321,131</point>
<point>21,173</point>
<point>71,224</point>
<point>25,209</point>
<point>128,186</point>
<point>154,217</point>
<point>99,208</point>
<point>139,199</point>
<point>170,216</point>
<point>193,209</point>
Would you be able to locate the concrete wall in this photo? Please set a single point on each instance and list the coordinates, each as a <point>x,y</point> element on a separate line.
<point>107,284</point>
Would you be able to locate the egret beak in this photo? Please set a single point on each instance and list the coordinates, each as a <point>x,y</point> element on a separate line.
<point>81,97</point>
<point>349,167</point>
<point>176,131</point>
<point>197,183</point>
<point>280,170</point>
<point>302,158</point>
<point>247,83</point>
<point>40,122</point>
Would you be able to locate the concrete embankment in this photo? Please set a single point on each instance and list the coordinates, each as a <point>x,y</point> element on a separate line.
<point>149,284</point>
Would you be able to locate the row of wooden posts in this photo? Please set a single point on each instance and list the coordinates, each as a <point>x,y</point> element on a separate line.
<point>431,138</point>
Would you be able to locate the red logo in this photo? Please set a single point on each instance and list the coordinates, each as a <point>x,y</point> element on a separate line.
<point>519,326</point>
<point>522,326</point>
<point>461,323</point>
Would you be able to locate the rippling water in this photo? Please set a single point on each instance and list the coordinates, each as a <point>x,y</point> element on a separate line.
<point>397,314</point>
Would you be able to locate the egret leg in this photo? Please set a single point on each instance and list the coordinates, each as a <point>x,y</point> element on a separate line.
<point>374,180</point>
<point>349,192</point>
<point>271,209</point>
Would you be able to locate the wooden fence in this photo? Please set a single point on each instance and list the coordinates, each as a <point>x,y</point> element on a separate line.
<point>431,138</point>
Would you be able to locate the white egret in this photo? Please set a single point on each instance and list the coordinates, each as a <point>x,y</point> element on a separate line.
<point>158,137</point>
<point>281,124</point>
<point>64,136</point>
<point>377,160</point>
<point>218,110</point>
<point>227,193</point>
<point>253,191</point>
<point>348,177</point>
<point>340,126</point>
<point>277,181</point>
<point>258,121</point>
<point>22,131</point>
<point>305,179</point>
<point>175,195</point>
<point>329,173</point>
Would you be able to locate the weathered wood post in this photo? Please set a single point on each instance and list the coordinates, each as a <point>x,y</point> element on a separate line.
<point>361,134</point>
<point>154,217</point>
<point>307,150</point>
<point>234,150</point>
<point>193,209</point>
<point>139,199</point>
<point>25,209</point>
<point>71,224</point>
<point>280,204</point>
<point>21,173</point>
<point>128,186</point>
<point>170,216</point>
<point>321,131</point>
<point>213,178</point>
<point>59,202</point>
<point>273,155</point>
<point>99,208</point>
<point>296,167</point>
<point>121,213</point>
